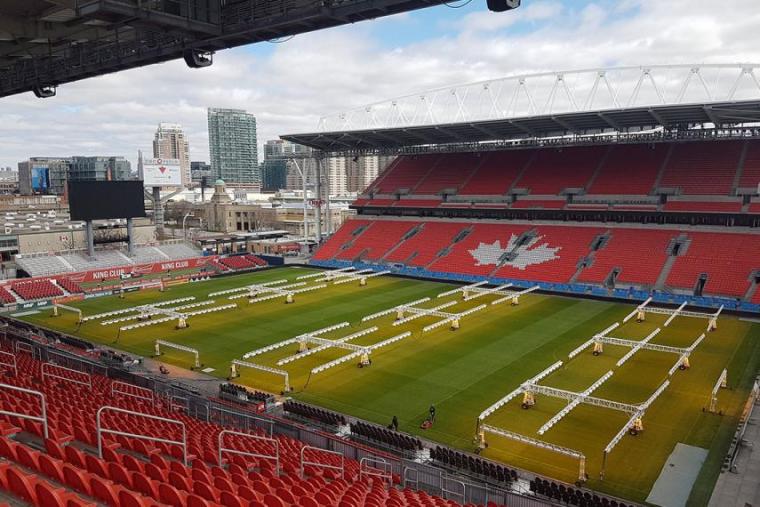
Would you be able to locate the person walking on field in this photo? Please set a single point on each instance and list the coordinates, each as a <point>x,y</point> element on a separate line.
<point>432,413</point>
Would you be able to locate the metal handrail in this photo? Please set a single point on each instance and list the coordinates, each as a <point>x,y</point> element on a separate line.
<point>22,346</point>
<point>446,492</point>
<point>116,383</point>
<point>275,457</point>
<point>46,373</point>
<point>406,480</point>
<point>175,397</point>
<point>368,466</point>
<point>42,418</point>
<point>12,365</point>
<point>100,430</point>
<point>323,465</point>
<point>268,422</point>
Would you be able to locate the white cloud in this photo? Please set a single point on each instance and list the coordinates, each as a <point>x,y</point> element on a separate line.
<point>329,71</point>
<point>486,21</point>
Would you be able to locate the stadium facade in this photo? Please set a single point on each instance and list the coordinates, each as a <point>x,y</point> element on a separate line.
<point>530,187</point>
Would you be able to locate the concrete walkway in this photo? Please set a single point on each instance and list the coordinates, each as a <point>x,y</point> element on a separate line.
<point>742,487</point>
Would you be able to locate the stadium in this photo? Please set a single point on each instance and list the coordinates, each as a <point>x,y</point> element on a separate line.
<point>550,297</point>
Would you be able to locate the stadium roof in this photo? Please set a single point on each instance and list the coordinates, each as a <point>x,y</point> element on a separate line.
<point>585,102</point>
<point>532,127</point>
<point>44,43</point>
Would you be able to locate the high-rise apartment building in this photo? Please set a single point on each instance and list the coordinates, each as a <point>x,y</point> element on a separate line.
<point>337,174</point>
<point>99,169</point>
<point>170,142</point>
<point>232,146</point>
<point>48,175</point>
<point>201,171</point>
<point>276,171</point>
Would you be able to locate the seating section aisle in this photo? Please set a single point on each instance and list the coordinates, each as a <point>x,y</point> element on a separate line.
<point>552,253</point>
<point>242,261</point>
<point>404,173</point>
<point>341,237</point>
<point>630,169</point>
<point>554,170</point>
<point>728,260</point>
<point>480,252</point>
<point>702,168</point>
<point>140,473</point>
<point>552,256</point>
<point>70,285</point>
<point>6,296</point>
<point>422,248</point>
<point>691,168</point>
<point>376,240</point>
<point>46,265</point>
<point>640,254</point>
<point>751,170</point>
<point>756,296</point>
<point>36,289</point>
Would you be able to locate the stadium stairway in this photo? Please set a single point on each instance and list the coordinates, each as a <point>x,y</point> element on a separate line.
<point>63,468</point>
<point>598,168</point>
<point>416,230</point>
<point>66,263</point>
<point>683,242</point>
<point>756,295</point>
<point>740,167</point>
<point>752,291</point>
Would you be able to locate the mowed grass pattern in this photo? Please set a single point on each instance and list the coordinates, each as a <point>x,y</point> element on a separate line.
<point>463,372</point>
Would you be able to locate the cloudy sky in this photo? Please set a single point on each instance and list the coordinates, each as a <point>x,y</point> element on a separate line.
<point>289,86</point>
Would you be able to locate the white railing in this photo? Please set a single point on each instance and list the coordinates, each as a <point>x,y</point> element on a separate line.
<point>24,347</point>
<point>269,424</point>
<point>179,402</point>
<point>318,464</point>
<point>376,467</point>
<point>274,457</point>
<point>118,388</point>
<point>12,361</point>
<point>411,478</point>
<point>46,367</point>
<point>43,407</point>
<point>447,493</point>
<point>101,430</point>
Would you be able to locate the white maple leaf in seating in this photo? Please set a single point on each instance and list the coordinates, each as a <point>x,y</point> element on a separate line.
<point>486,254</point>
<point>526,255</point>
<point>490,253</point>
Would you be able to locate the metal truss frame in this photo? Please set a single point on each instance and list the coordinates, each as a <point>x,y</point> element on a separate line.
<point>636,411</point>
<point>595,90</point>
<point>565,451</point>
<point>177,346</point>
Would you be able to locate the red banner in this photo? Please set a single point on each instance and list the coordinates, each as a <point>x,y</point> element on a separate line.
<point>99,275</point>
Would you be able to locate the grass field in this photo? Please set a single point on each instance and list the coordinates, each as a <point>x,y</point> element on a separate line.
<point>464,372</point>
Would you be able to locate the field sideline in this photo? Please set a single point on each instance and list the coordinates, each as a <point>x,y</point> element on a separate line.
<point>464,372</point>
